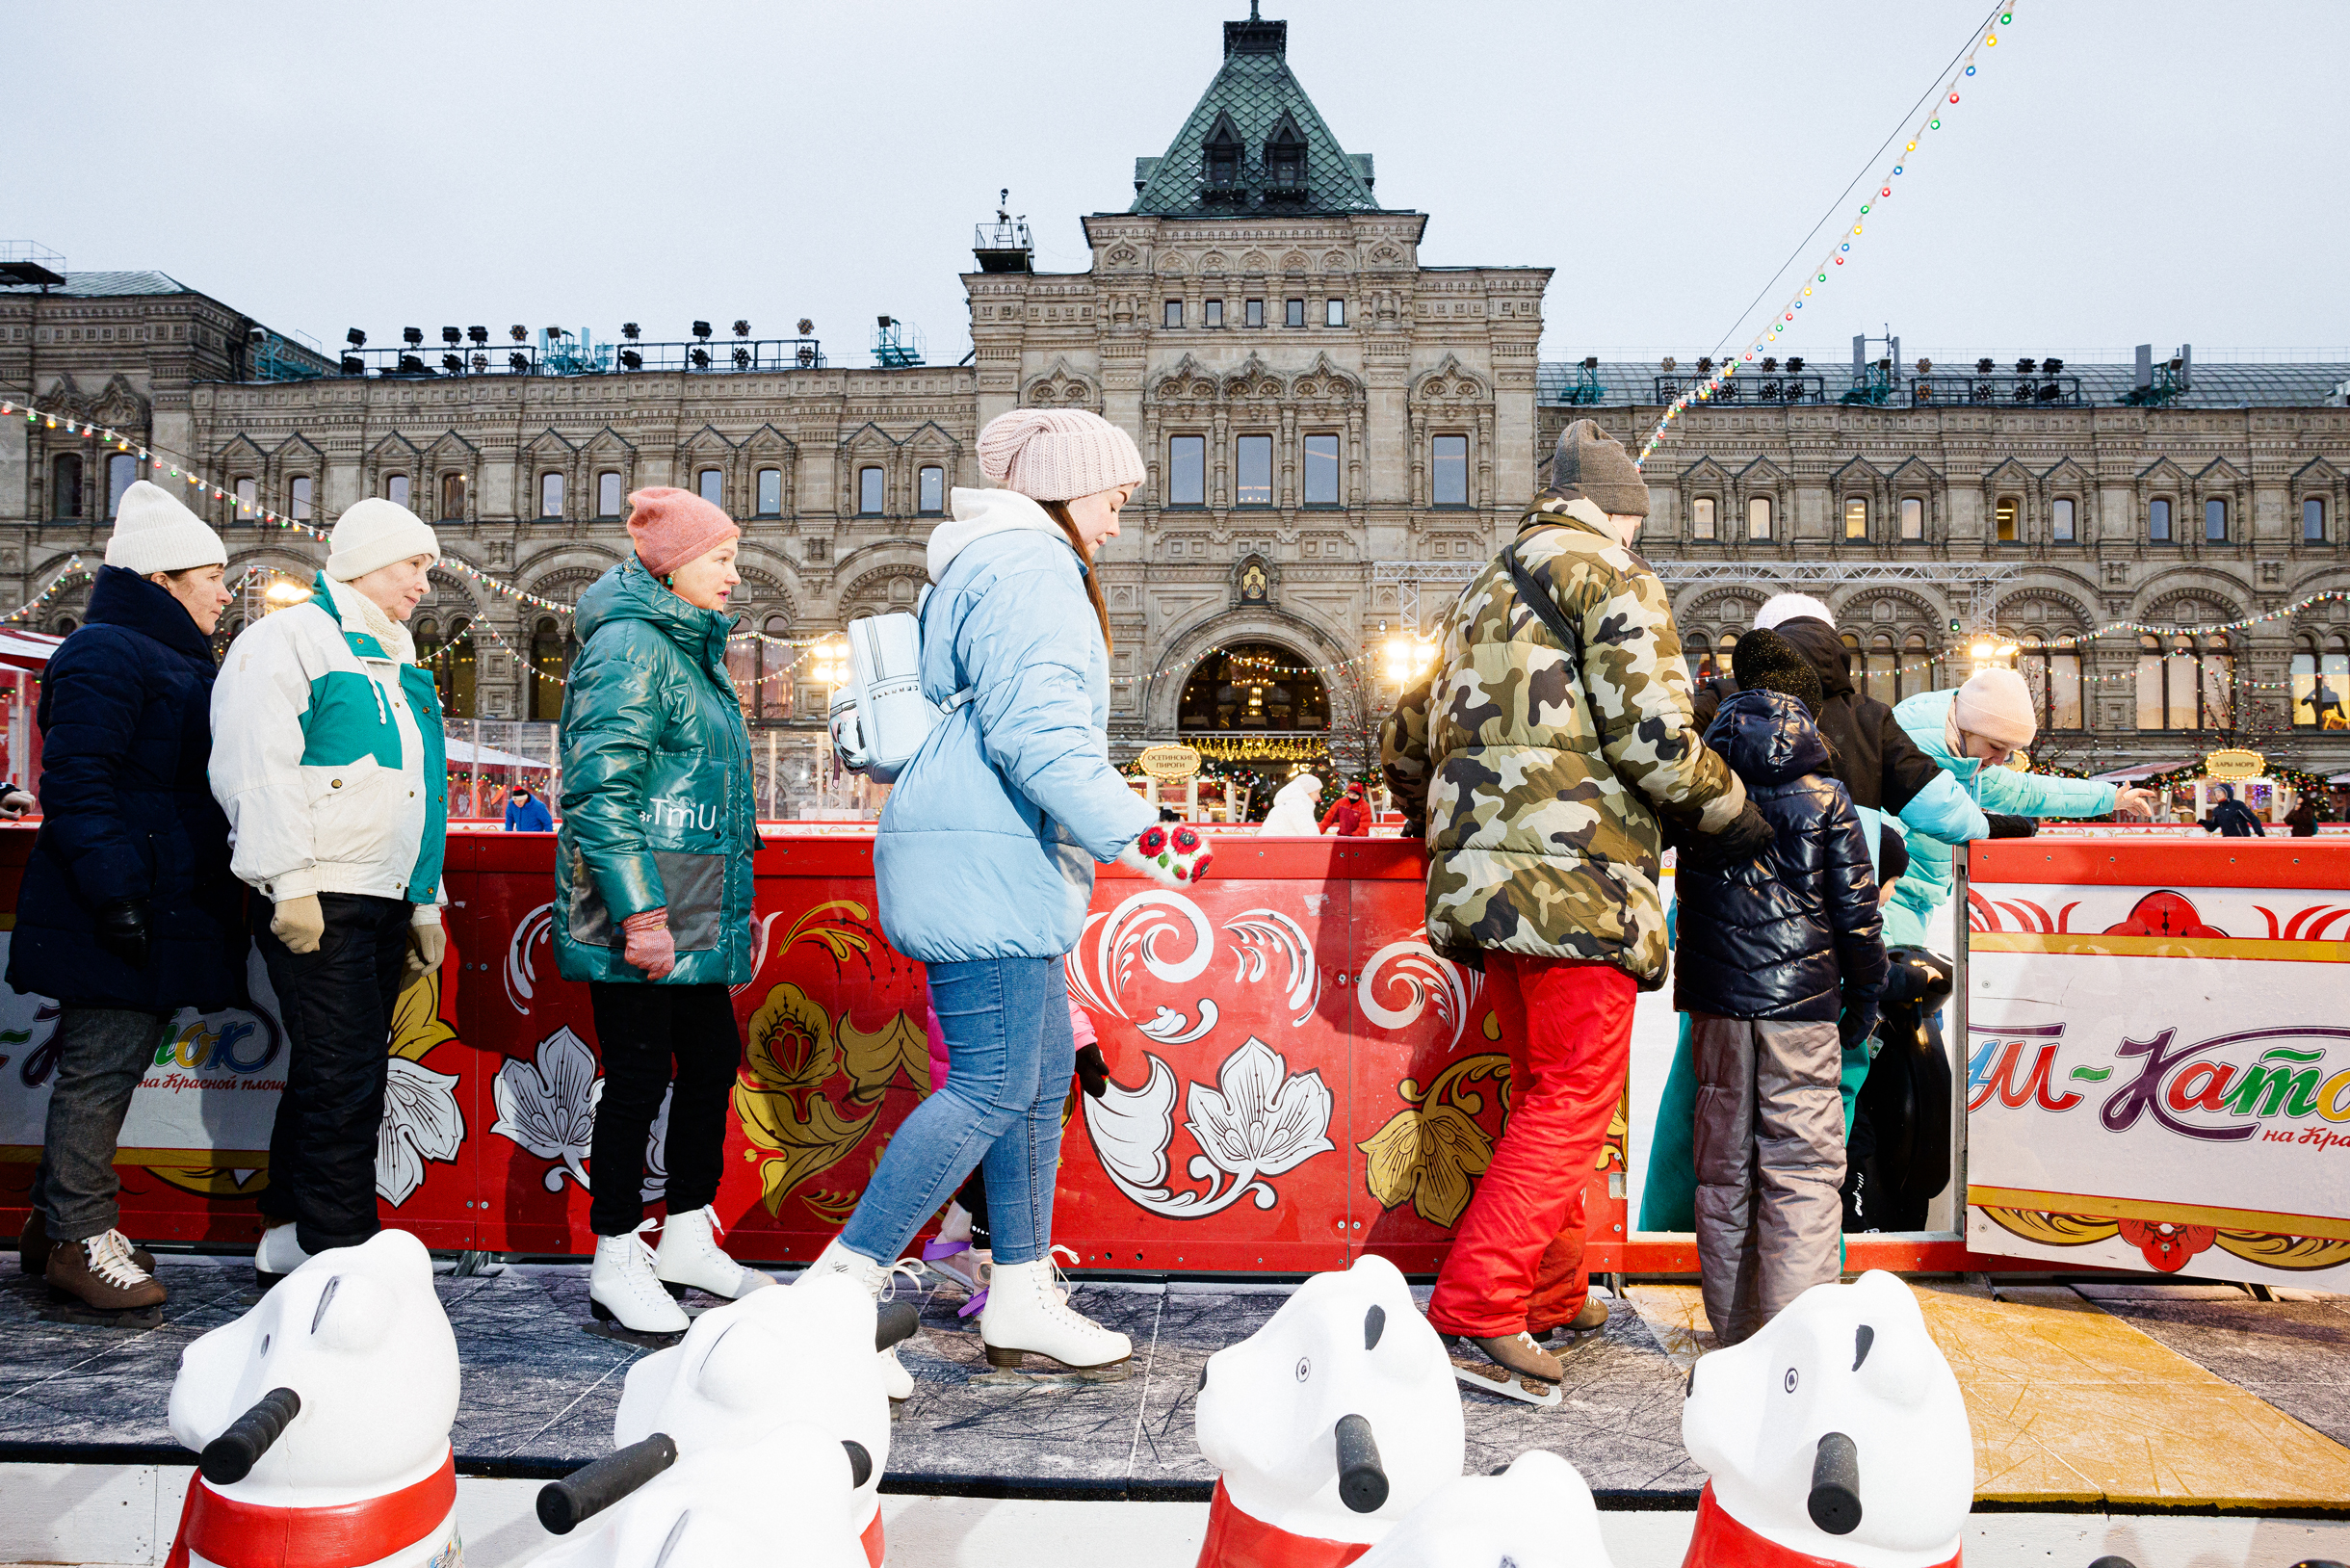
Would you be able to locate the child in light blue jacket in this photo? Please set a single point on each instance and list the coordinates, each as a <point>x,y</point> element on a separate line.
<point>1973,731</point>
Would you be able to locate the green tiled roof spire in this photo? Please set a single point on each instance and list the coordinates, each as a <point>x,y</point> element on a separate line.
<point>1232,158</point>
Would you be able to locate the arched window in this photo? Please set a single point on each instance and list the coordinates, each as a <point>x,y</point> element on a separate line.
<point>549,665</point>
<point>777,670</point>
<point>2159,520</point>
<point>1856,517</point>
<point>1917,666</point>
<point>1701,518</point>
<point>1913,518</point>
<point>608,499</point>
<point>869,491</point>
<point>452,489</point>
<point>1882,682</point>
<point>711,485</point>
<point>2321,683</point>
<point>1698,651</point>
<point>2312,519</point>
<point>2054,674</point>
<point>2215,521</point>
<point>451,663</point>
<point>1758,518</point>
<point>65,488</point>
<point>122,472</point>
<point>770,492</point>
<point>2185,686</point>
<point>931,490</point>
<point>550,495</point>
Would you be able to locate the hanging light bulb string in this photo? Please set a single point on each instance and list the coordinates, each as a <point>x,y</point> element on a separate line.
<point>1931,106</point>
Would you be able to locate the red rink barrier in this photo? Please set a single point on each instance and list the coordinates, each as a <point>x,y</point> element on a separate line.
<point>1296,1076</point>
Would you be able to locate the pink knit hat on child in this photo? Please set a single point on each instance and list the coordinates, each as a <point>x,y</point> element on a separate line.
<point>1057,454</point>
<point>671,527</point>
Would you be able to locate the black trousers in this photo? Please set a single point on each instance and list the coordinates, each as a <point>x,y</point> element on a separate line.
<point>641,1030</point>
<point>337,1006</point>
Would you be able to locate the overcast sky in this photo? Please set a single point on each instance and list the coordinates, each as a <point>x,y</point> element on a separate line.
<point>2119,170</point>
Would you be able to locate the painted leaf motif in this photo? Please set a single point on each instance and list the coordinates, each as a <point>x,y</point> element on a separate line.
<point>420,1122</point>
<point>548,1106</point>
<point>1258,1119</point>
<point>791,1049</point>
<point>1392,1170</point>
<point>809,1146</point>
<point>417,1026</point>
<point>1131,1128</point>
<point>874,1060</point>
<point>1453,1150</point>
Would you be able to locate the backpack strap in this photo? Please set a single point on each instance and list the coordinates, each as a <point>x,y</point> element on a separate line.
<point>921,619</point>
<point>1533,591</point>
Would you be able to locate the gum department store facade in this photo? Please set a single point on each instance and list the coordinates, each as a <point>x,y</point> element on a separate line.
<point>1317,410</point>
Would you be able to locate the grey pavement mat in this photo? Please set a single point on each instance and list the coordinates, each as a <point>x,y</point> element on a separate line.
<point>538,1394</point>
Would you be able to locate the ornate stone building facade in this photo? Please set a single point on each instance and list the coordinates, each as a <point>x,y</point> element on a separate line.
<point>1328,424</point>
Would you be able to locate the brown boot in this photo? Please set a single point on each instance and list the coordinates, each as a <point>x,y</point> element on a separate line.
<point>1522,1355</point>
<point>1592,1317</point>
<point>33,1249</point>
<point>99,1273</point>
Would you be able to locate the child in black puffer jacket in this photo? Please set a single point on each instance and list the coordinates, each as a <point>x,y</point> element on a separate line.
<point>1780,961</point>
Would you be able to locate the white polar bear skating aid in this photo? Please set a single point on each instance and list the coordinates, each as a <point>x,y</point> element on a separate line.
<point>1329,1424</point>
<point>323,1418</point>
<point>803,1355</point>
<point>789,1495</point>
<point>1834,1435</point>
<point>1538,1513</point>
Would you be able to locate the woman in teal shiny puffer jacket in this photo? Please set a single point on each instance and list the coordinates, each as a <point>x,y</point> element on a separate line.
<point>653,892</point>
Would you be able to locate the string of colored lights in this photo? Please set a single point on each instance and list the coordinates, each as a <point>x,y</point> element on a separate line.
<point>72,571</point>
<point>1986,36</point>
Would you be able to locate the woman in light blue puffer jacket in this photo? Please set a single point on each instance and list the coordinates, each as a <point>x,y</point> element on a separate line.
<point>984,862</point>
<point>1971,730</point>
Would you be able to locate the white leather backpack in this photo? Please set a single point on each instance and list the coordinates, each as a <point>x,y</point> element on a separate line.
<point>880,717</point>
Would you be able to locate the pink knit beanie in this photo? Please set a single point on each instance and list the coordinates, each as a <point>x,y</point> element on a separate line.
<point>1057,454</point>
<point>671,527</point>
<point>1997,704</point>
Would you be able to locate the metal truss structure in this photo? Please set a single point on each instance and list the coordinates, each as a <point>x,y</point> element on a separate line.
<point>1972,587</point>
<point>1405,577</point>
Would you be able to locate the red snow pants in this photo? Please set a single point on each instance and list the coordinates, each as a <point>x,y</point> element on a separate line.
<point>1517,1258</point>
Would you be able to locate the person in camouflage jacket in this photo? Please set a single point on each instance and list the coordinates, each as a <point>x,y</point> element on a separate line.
<point>1537,766</point>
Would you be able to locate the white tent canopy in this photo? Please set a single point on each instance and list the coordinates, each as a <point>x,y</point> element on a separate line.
<point>469,754</point>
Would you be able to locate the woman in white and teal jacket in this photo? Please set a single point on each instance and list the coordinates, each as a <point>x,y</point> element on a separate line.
<point>328,758</point>
<point>1972,731</point>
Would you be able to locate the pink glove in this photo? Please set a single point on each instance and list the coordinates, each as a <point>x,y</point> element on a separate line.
<point>1177,858</point>
<point>650,946</point>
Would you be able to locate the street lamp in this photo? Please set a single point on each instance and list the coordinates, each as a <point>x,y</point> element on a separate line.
<point>830,659</point>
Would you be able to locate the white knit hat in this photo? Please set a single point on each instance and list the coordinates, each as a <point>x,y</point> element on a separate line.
<point>1781,608</point>
<point>1997,704</point>
<point>1057,454</point>
<point>376,533</point>
<point>155,532</point>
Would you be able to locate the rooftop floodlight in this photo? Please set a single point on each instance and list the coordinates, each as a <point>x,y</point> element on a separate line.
<point>2027,367</point>
<point>742,327</point>
<point>411,364</point>
<point>1925,367</point>
<point>1984,366</point>
<point>886,322</point>
<point>1668,363</point>
<point>556,331</point>
<point>452,337</point>
<point>1769,364</point>
<point>806,356</point>
<point>481,362</point>
<point>807,327</point>
<point>1591,362</point>
<point>355,338</point>
<point>254,334</point>
<point>519,332</point>
<point>629,331</point>
<point>631,359</point>
<point>476,334</point>
<point>701,329</point>
<point>353,365</point>
<point>452,363</point>
<point>518,361</point>
<point>742,358</point>
<point>411,335</point>
<point>1794,366</point>
<point>2050,367</point>
<point>701,359</point>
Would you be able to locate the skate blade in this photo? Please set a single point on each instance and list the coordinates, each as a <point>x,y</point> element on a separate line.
<point>82,1317</point>
<point>1051,1372</point>
<point>629,1336</point>
<point>1505,1384</point>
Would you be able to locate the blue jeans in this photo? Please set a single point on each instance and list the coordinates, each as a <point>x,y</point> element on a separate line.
<point>1010,1056</point>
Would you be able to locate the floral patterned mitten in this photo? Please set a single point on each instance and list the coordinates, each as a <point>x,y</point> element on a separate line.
<point>1176,856</point>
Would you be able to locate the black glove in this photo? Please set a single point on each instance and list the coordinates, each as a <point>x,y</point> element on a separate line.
<point>122,930</point>
<point>1092,1072</point>
<point>1747,835</point>
<point>2012,827</point>
<point>1855,1025</point>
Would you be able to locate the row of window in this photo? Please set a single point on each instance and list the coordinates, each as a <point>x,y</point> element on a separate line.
<point>2006,519</point>
<point>1252,313</point>
<point>1252,468</point>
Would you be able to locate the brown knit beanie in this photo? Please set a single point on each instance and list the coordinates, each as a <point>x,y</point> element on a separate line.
<point>1589,462</point>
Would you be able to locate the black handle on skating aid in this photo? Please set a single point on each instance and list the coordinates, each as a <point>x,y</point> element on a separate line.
<point>231,1457</point>
<point>1835,1502</point>
<point>1362,1485</point>
<point>585,1493</point>
<point>896,1321</point>
<point>860,1461</point>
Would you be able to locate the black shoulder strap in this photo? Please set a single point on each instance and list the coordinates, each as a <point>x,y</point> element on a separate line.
<point>1538,599</point>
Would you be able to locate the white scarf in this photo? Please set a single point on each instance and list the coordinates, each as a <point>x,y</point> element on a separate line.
<point>390,633</point>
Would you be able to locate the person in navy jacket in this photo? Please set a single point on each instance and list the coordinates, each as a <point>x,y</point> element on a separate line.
<point>128,912</point>
<point>526,813</point>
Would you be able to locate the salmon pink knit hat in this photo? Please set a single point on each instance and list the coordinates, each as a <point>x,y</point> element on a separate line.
<point>671,527</point>
<point>1057,454</point>
<point>1997,704</point>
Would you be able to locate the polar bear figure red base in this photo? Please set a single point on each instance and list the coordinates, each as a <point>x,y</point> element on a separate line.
<point>1329,1424</point>
<point>789,1495</point>
<point>356,1345</point>
<point>801,1356</point>
<point>1538,1513</point>
<point>1836,1435</point>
